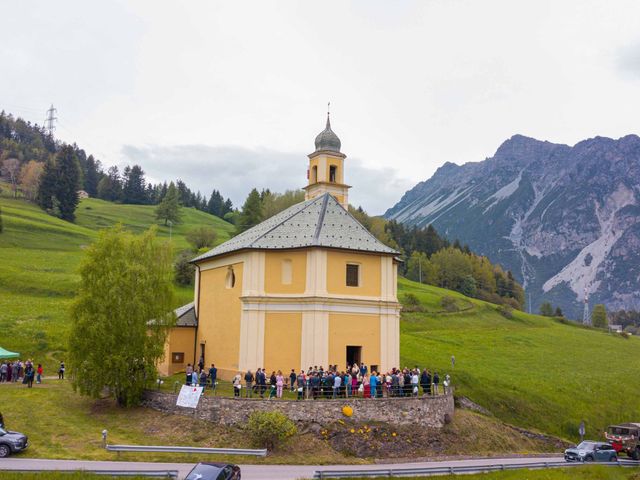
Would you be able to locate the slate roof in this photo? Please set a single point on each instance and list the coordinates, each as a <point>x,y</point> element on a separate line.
<point>319,222</point>
<point>186,315</point>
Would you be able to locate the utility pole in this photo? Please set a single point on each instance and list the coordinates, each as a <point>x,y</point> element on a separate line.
<point>49,122</point>
<point>420,269</point>
<point>586,320</point>
<point>529,303</point>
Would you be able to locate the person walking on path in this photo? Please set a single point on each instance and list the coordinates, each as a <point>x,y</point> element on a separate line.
<point>39,371</point>
<point>337,382</point>
<point>248,380</point>
<point>261,380</point>
<point>28,376</point>
<point>61,371</point>
<point>280,383</point>
<point>436,382</point>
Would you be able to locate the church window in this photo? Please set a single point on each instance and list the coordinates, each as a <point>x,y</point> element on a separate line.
<point>287,272</point>
<point>177,357</point>
<point>332,173</point>
<point>230,281</point>
<point>353,275</point>
<point>314,174</point>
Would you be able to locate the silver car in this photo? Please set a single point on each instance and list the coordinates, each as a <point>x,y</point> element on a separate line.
<point>12,442</point>
<point>588,451</point>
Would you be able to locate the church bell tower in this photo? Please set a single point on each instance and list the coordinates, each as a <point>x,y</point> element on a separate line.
<point>326,168</point>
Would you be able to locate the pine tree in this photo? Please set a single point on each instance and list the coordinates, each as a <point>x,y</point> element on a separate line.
<point>558,312</point>
<point>546,309</point>
<point>227,208</point>
<point>134,190</point>
<point>599,316</point>
<point>169,208</point>
<point>91,176</point>
<point>47,186</point>
<point>251,213</point>
<point>215,204</point>
<point>67,178</point>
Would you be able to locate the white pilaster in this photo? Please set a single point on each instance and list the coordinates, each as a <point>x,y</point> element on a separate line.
<point>389,341</point>
<point>314,339</point>
<point>316,281</point>
<point>253,274</point>
<point>196,289</point>
<point>251,355</point>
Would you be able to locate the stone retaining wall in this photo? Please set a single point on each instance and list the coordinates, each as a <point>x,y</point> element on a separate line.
<point>424,411</point>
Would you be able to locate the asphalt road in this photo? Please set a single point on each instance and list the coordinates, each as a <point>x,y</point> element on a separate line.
<point>251,472</point>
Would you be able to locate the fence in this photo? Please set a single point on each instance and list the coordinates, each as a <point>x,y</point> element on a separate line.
<point>318,392</point>
<point>455,470</point>
<point>174,449</point>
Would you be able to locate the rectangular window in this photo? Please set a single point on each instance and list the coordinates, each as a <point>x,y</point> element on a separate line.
<point>177,357</point>
<point>287,272</point>
<point>353,275</point>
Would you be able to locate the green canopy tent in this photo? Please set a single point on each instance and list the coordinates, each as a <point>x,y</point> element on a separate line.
<point>7,354</point>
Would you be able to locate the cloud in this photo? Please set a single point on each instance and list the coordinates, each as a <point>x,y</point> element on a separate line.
<point>236,170</point>
<point>629,60</point>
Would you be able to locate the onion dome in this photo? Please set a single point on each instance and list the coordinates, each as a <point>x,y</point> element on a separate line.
<point>327,140</point>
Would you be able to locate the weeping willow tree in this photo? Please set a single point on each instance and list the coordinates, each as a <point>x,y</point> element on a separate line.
<point>121,315</point>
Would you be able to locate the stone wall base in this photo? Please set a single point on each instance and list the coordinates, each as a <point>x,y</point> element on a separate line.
<point>424,411</point>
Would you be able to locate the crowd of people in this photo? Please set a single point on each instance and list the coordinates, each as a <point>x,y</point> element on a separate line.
<point>19,371</point>
<point>316,382</point>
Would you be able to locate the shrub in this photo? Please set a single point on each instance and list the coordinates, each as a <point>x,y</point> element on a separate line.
<point>184,271</point>
<point>449,304</point>
<point>270,429</point>
<point>506,311</point>
<point>201,237</point>
<point>411,303</point>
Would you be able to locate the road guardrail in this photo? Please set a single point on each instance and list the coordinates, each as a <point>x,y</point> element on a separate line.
<point>173,449</point>
<point>453,470</point>
<point>111,473</point>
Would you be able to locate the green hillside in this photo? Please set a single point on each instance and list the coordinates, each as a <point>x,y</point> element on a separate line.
<point>40,255</point>
<point>531,371</point>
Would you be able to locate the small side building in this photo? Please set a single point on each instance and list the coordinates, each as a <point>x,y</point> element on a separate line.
<point>181,341</point>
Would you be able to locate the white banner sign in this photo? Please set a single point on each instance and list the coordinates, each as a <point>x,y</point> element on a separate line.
<point>189,396</point>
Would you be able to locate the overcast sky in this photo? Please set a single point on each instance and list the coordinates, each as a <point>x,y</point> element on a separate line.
<point>231,95</point>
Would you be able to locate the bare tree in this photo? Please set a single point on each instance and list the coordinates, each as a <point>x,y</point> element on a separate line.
<point>30,179</point>
<point>11,170</point>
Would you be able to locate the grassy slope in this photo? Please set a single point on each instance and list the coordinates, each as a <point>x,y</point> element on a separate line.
<point>40,256</point>
<point>530,371</point>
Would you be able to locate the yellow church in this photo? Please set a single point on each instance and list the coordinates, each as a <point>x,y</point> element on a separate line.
<point>307,287</point>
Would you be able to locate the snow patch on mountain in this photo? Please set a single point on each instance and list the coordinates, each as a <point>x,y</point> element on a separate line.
<point>581,273</point>
<point>505,192</point>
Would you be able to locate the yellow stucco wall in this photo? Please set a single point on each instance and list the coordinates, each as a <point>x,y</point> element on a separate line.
<point>179,339</point>
<point>355,330</point>
<point>273,271</point>
<point>282,333</point>
<point>370,271</point>
<point>219,319</point>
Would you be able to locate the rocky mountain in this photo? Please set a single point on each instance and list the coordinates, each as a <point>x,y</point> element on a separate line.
<point>565,220</point>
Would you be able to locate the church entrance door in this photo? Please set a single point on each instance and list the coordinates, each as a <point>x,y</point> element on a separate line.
<point>354,354</point>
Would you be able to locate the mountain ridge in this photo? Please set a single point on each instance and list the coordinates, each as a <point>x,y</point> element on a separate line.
<point>561,217</point>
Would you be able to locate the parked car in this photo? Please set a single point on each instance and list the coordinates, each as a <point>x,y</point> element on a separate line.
<point>589,451</point>
<point>214,471</point>
<point>11,442</point>
<point>625,438</point>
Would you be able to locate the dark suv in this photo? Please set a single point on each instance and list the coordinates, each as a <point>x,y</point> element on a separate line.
<point>11,442</point>
<point>591,452</point>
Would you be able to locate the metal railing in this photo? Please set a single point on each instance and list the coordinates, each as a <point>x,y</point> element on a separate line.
<point>175,449</point>
<point>110,473</point>
<point>453,470</point>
